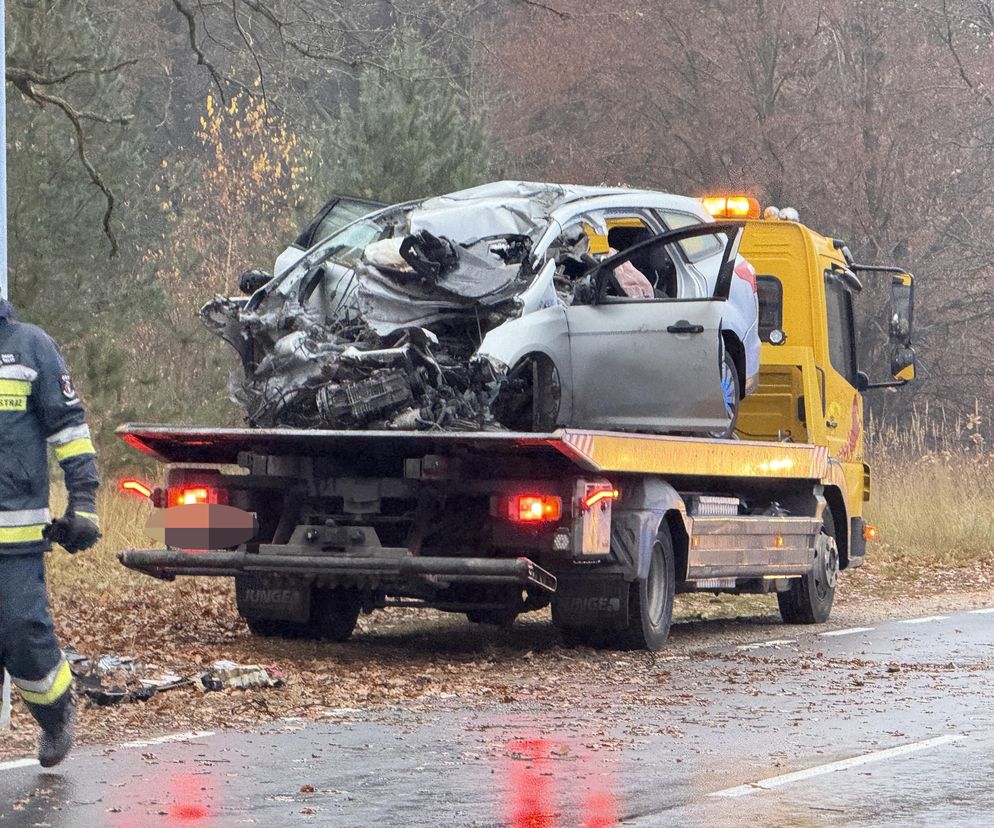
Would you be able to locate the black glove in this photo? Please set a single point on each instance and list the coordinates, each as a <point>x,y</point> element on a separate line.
<point>74,532</point>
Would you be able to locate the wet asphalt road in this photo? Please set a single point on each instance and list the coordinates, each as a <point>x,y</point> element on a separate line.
<point>887,726</point>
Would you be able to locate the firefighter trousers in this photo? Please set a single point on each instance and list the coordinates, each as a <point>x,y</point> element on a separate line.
<point>29,650</point>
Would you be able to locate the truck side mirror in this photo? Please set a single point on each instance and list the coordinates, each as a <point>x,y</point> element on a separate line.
<point>902,359</point>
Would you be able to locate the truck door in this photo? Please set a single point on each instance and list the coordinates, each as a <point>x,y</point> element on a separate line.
<point>843,403</point>
<point>643,362</point>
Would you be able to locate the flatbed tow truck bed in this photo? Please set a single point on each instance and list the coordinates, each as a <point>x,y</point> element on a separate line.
<point>741,516</point>
<point>592,451</point>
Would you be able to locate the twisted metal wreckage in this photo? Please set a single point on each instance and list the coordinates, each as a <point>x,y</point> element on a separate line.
<point>381,326</point>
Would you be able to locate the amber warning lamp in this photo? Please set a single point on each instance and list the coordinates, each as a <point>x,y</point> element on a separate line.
<point>732,206</point>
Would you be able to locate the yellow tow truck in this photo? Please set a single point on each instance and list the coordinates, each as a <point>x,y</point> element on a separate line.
<point>605,526</point>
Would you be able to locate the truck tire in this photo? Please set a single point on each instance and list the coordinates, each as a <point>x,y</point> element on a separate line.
<point>273,628</point>
<point>809,598</point>
<point>334,613</point>
<point>650,600</point>
<point>494,617</point>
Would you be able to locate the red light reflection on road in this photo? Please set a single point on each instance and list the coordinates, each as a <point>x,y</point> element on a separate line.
<point>532,798</point>
<point>544,784</point>
<point>188,792</point>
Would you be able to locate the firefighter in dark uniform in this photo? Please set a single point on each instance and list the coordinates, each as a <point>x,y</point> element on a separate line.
<point>39,408</point>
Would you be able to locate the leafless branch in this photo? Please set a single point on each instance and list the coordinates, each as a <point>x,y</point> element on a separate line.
<point>202,59</point>
<point>75,117</point>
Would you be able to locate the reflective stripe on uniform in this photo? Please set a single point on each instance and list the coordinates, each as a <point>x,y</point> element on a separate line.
<point>18,372</point>
<point>90,516</point>
<point>69,434</point>
<point>15,387</point>
<point>74,448</point>
<point>21,534</point>
<point>47,690</point>
<point>24,517</point>
<point>14,394</point>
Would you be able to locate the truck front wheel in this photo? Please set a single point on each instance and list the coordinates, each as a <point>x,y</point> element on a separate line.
<point>809,598</point>
<point>650,600</point>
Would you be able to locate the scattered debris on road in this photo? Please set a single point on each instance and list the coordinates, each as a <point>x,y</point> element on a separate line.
<point>225,675</point>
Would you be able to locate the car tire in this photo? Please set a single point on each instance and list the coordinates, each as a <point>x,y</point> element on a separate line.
<point>531,397</point>
<point>809,598</point>
<point>650,600</point>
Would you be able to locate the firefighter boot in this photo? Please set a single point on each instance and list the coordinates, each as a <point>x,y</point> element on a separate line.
<point>58,726</point>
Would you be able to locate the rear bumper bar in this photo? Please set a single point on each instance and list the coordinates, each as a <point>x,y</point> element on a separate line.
<point>168,563</point>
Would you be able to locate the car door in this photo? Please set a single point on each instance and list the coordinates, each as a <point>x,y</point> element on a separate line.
<point>650,364</point>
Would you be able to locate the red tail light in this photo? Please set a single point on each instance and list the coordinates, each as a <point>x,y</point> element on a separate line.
<point>533,508</point>
<point>187,495</point>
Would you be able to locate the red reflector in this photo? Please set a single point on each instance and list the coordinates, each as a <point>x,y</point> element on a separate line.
<point>535,508</point>
<point>190,495</point>
<point>599,495</point>
<point>135,486</point>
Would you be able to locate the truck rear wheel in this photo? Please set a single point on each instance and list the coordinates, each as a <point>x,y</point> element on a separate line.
<point>274,628</point>
<point>334,613</point>
<point>495,617</point>
<point>809,598</point>
<point>650,600</point>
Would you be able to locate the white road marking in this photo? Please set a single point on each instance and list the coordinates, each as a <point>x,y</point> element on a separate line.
<point>159,740</point>
<point>988,611</point>
<point>17,763</point>
<point>775,643</point>
<point>924,620</point>
<point>850,631</point>
<point>832,767</point>
<point>162,740</point>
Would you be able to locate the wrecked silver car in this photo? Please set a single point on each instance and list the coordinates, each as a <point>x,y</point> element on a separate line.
<point>512,305</point>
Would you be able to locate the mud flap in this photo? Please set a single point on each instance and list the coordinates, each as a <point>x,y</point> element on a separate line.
<point>585,601</point>
<point>274,597</point>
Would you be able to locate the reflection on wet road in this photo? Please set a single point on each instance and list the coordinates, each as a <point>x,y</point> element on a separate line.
<point>890,725</point>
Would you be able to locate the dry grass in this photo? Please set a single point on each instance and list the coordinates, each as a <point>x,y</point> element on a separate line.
<point>932,497</point>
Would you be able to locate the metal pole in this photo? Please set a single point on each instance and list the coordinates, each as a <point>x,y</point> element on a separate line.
<point>3,159</point>
<point>5,691</point>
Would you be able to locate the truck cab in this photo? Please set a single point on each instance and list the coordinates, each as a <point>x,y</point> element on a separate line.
<point>811,383</point>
